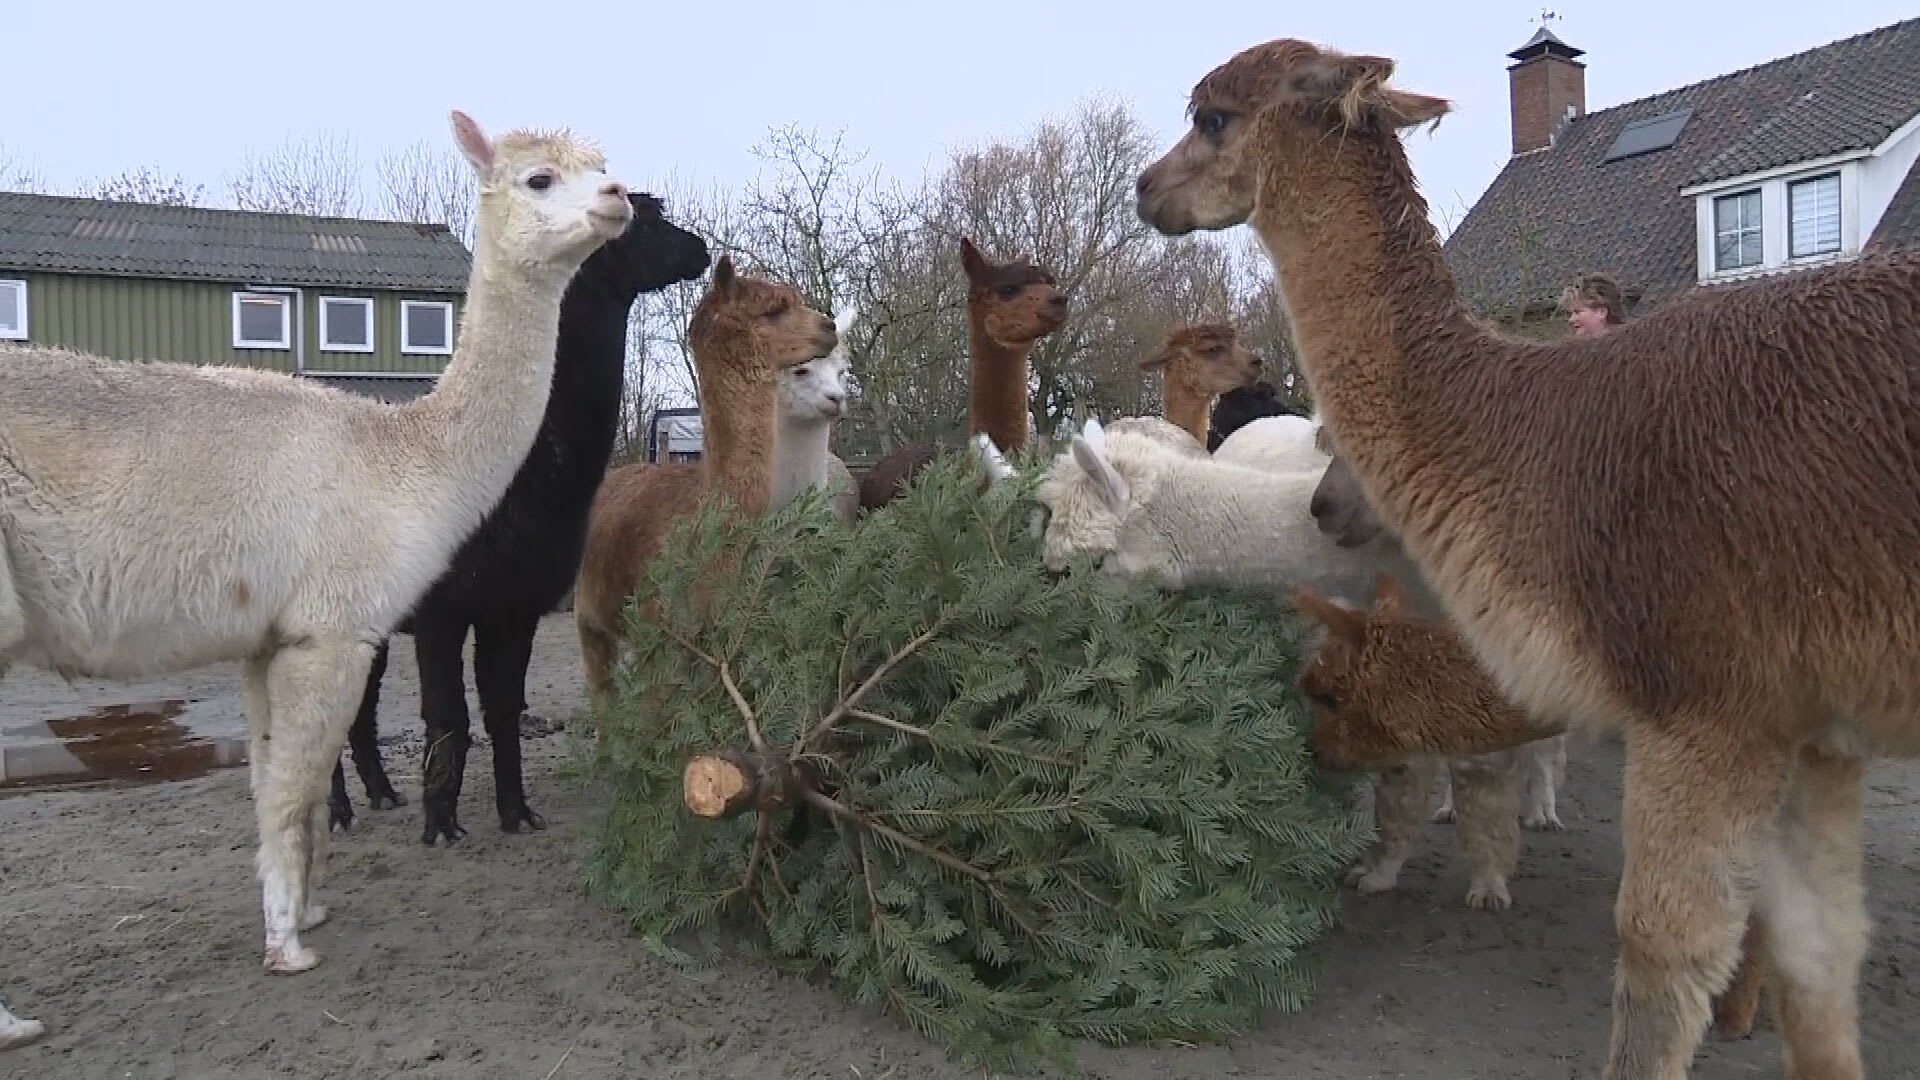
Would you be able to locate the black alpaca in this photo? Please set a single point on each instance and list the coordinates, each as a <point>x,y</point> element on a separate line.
<point>522,559</point>
<point>1241,406</point>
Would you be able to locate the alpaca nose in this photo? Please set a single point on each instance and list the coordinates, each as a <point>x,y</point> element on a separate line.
<point>1059,301</point>
<point>614,188</point>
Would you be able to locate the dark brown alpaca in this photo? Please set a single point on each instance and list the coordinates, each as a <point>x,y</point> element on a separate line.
<point>743,333</point>
<point>1198,362</point>
<point>1010,307</point>
<point>1385,680</point>
<point>1697,529</point>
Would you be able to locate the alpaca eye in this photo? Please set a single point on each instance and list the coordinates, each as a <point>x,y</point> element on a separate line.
<point>540,181</point>
<point>801,373</point>
<point>1008,292</point>
<point>1210,121</point>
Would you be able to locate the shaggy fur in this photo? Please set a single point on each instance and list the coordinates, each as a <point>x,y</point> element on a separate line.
<point>1237,408</point>
<point>1010,307</point>
<point>1197,363</point>
<point>159,517</point>
<point>1697,529</point>
<point>808,400</point>
<point>1386,678</point>
<point>1284,443</point>
<point>522,560</point>
<point>744,332</point>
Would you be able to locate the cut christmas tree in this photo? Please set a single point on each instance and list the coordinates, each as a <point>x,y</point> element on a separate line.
<point>1012,808</point>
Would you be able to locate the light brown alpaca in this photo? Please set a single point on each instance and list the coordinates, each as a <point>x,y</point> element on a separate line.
<point>1383,677</point>
<point>743,333</point>
<point>1198,362</point>
<point>1010,307</point>
<point>1697,529</point>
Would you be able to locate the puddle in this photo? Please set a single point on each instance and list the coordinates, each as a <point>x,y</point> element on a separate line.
<point>144,742</point>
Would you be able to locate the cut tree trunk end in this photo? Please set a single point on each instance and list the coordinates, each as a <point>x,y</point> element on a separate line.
<point>731,782</point>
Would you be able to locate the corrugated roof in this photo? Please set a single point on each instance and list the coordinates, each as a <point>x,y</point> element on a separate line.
<point>65,234</point>
<point>1556,213</point>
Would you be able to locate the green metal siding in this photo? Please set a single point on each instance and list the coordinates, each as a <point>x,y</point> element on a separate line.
<point>192,322</point>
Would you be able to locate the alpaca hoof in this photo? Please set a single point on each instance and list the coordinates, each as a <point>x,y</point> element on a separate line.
<point>1546,820</point>
<point>386,800</point>
<point>290,959</point>
<point>1444,815</point>
<point>316,914</point>
<point>1489,896</point>
<point>339,817</point>
<point>1369,880</point>
<point>17,1032</point>
<point>511,819</point>
<point>440,827</point>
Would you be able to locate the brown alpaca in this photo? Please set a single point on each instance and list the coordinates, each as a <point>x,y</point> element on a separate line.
<point>1697,530</point>
<point>744,331</point>
<point>1010,307</point>
<point>1198,362</point>
<point>1385,678</point>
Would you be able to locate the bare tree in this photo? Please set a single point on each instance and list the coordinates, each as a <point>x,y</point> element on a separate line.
<point>148,185</point>
<point>318,175</point>
<point>428,184</point>
<point>17,175</point>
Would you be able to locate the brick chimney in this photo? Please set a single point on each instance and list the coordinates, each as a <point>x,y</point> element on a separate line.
<point>1548,88</point>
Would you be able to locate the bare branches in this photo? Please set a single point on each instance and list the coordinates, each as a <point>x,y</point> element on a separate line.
<point>427,183</point>
<point>149,185</point>
<point>318,175</point>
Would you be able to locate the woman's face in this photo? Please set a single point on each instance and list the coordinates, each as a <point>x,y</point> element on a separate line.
<point>1588,321</point>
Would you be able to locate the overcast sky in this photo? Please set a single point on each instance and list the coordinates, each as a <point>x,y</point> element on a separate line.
<point>687,86</point>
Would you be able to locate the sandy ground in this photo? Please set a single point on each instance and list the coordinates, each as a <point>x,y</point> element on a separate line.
<point>129,922</point>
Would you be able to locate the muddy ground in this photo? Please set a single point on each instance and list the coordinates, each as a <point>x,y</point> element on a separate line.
<point>129,922</point>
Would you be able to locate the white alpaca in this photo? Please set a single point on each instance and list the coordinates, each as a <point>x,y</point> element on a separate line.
<point>1281,443</point>
<point>808,401</point>
<point>1149,509</point>
<point>158,517</point>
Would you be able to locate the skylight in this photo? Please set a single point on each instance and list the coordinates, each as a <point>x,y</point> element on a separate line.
<point>1646,135</point>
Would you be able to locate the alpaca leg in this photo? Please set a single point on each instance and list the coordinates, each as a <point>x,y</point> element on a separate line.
<point>1446,812</point>
<point>1546,774</point>
<point>310,694</point>
<point>1737,1008</point>
<point>596,659</point>
<point>1401,796</point>
<point>1488,787</point>
<point>1698,796</point>
<point>443,711</point>
<point>17,1031</point>
<point>501,652</point>
<point>363,740</point>
<point>1814,917</point>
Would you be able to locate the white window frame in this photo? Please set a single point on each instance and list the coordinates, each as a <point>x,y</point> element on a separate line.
<point>1776,214</point>
<point>18,287</point>
<point>327,345</point>
<point>442,305</point>
<point>1840,204</point>
<point>285,342</point>
<point>1758,229</point>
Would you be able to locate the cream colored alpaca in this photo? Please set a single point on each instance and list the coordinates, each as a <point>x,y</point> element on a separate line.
<point>808,401</point>
<point>158,517</point>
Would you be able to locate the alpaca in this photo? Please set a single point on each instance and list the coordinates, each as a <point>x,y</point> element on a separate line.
<point>1147,509</point>
<point>1341,508</point>
<point>136,544</point>
<point>1394,668</point>
<point>1695,530</point>
<point>1010,307</point>
<point>808,400</point>
<point>744,331</point>
<point>1198,362</point>
<point>522,559</point>
<point>1239,407</point>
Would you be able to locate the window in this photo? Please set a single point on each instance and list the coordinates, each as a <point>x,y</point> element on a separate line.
<point>346,324</point>
<point>262,321</point>
<point>1646,135</point>
<point>426,326</point>
<point>1736,231</point>
<point>1813,216</point>
<point>13,310</point>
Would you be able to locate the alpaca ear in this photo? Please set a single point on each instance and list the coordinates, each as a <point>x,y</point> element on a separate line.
<point>1389,597</point>
<point>844,321</point>
<point>1107,482</point>
<point>473,142</point>
<point>990,457</point>
<point>1342,622</point>
<point>1359,85</point>
<point>1156,361</point>
<point>1405,108</point>
<point>971,260</point>
<point>723,275</point>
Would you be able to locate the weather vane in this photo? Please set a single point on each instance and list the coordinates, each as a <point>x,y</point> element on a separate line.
<point>1547,15</point>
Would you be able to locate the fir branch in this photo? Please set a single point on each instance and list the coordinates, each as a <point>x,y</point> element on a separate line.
<point>856,818</point>
<point>726,679</point>
<point>852,701</point>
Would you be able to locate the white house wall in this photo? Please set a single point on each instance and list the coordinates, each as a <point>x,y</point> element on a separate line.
<point>1882,174</point>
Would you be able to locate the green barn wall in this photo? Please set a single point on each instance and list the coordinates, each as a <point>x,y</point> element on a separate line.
<point>192,322</point>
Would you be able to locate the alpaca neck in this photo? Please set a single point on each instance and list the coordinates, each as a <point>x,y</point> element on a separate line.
<point>799,457</point>
<point>996,387</point>
<point>583,413</point>
<point>1224,520</point>
<point>1383,337</point>
<point>481,417</point>
<point>1187,408</point>
<point>736,436</point>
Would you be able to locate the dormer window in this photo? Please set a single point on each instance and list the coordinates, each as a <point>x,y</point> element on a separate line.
<point>1813,211</point>
<point>1738,238</point>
